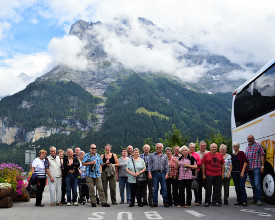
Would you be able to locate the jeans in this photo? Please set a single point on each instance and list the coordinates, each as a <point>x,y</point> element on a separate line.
<point>185,184</point>
<point>136,192</point>
<point>240,186</point>
<point>55,189</point>
<point>40,190</point>
<point>123,182</point>
<point>255,180</point>
<point>172,185</point>
<point>159,177</point>
<point>215,182</point>
<point>71,185</point>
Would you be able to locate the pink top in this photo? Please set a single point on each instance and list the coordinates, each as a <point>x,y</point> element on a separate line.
<point>197,158</point>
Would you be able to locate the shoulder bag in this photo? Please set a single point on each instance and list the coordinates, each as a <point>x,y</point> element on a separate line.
<point>141,178</point>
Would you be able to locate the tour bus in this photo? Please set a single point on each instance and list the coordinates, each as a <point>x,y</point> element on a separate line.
<point>253,113</point>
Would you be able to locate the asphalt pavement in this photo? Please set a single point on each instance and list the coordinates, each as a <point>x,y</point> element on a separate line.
<point>27,210</point>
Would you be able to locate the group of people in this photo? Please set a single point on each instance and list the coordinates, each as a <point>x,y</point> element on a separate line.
<point>178,172</point>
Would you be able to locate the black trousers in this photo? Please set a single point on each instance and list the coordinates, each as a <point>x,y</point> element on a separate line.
<point>149,184</point>
<point>215,182</point>
<point>63,189</point>
<point>40,190</point>
<point>136,192</point>
<point>185,184</point>
<point>172,191</point>
<point>201,185</point>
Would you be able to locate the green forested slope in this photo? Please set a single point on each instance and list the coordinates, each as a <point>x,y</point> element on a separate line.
<point>195,114</point>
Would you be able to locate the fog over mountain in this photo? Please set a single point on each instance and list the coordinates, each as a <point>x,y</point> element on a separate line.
<point>140,46</point>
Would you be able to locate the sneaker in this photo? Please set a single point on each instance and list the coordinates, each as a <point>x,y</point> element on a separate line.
<point>197,204</point>
<point>244,204</point>
<point>178,206</point>
<point>252,202</point>
<point>52,204</point>
<point>206,204</point>
<point>59,204</point>
<point>259,203</point>
<point>187,206</point>
<point>238,203</point>
<point>68,204</point>
<point>154,205</point>
<point>106,205</point>
<point>93,205</point>
<point>75,204</point>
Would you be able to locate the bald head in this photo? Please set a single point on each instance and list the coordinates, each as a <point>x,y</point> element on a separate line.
<point>250,139</point>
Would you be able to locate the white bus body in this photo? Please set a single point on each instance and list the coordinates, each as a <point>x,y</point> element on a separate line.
<point>253,113</point>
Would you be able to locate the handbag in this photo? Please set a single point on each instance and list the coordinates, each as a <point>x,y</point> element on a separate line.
<point>141,178</point>
<point>32,188</point>
<point>194,185</point>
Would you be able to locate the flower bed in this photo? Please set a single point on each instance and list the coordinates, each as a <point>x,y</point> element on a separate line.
<point>10,176</point>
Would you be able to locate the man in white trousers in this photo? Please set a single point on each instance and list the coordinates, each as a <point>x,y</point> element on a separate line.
<point>54,173</point>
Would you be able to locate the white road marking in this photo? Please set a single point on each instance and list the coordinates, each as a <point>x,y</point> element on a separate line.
<point>129,215</point>
<point>270,209</point>
<point>97,215</point>
<point>152,215</point>
<point>263,214</point>
<point>192,212</point>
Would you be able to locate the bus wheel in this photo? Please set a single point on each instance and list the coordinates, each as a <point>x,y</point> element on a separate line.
<point>269,186</point>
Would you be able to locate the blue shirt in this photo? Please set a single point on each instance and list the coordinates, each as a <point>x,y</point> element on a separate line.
<point>158,163</point>
<point>89,158</point>
<point>145,157</point>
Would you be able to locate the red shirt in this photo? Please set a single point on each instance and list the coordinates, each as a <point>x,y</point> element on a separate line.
<point>213,164</point>
<point>173,164</point>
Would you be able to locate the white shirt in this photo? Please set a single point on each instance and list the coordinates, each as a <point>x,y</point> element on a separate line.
<point>39,167</point>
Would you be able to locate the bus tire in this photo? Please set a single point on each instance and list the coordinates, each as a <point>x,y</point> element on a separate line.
<point>268,185</point>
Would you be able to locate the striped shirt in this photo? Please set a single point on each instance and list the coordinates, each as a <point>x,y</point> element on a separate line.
<point>158,163</point>
<point>39,168</point>
<point>253,154</point>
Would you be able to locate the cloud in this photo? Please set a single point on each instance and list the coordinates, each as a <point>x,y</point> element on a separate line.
<point>144,48</point>
<point>4,27</point>
<point>33,65</point>
<point>69,51</point>
<point>242,31</point>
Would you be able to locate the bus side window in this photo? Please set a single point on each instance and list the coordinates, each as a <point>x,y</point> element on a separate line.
<point>256,99</point>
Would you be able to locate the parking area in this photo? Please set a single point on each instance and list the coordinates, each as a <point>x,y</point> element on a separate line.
<point>27,210</point>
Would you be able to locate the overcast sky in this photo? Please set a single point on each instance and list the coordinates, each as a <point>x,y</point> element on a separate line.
<point>33,33</point>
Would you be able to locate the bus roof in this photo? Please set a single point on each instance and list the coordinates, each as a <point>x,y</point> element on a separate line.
<point>266,66</point>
